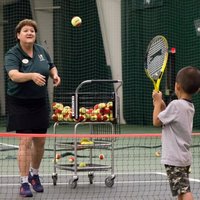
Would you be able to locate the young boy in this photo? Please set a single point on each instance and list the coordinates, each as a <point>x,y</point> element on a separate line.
<point>177,121</point>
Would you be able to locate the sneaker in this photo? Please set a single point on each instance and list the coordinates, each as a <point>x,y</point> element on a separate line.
<point>25,190</point>
<point>35,182</point>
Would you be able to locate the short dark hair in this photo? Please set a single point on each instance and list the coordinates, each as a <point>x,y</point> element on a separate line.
<point>23,23</point>
<point>189,79</point>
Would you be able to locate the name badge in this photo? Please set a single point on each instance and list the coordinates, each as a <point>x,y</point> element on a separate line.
<point>25,61</point>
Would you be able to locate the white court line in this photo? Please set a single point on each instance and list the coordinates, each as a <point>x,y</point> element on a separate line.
<point>95,182</point>
<point>97,173</point>
<point>116,181</point>
<point>9,145</point>
<point>191,179</point>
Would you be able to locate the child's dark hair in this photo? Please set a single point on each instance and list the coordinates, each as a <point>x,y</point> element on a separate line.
<point>23,23</point>
<point>189,79</point>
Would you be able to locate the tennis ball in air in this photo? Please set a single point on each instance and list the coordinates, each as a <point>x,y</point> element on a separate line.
<point>101,156</point>
<point>76,21</point>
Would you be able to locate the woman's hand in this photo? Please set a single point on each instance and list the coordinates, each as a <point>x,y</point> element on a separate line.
<point>38,79</point>
<point>56,80</point>
<point>55,77</point>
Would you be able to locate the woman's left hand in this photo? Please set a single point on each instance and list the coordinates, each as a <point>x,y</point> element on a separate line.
<point>56,80</point>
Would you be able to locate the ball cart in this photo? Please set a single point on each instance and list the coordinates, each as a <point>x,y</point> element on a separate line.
<point>95,107</point>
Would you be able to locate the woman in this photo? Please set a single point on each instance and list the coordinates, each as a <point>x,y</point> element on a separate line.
<point>29,66</point>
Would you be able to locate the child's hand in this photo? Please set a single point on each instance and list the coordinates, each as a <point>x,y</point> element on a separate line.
<point>157,97</point>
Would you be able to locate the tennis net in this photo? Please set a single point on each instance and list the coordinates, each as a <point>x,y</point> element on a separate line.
<point>96,166</point>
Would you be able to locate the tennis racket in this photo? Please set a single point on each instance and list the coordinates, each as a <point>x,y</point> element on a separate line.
<point>156,60</point>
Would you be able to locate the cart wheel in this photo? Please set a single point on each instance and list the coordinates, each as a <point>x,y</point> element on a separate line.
<point>73,183</point>
<point>91,177</point>
<point>109,181</point>
<point>55,178</point>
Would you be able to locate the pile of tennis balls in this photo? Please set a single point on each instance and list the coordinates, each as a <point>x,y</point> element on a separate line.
<point>100,112</point>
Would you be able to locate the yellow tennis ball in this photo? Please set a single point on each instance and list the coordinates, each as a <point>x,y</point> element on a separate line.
<point>82,164</point>
<point>76,21</point>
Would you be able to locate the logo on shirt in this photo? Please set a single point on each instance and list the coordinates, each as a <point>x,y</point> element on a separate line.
<point>25,61</point>
<point>41,57</point>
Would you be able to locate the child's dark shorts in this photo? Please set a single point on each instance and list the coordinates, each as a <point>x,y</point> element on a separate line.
<point>178,179</point>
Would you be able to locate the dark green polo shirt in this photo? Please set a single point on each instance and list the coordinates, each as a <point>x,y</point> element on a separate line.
<point>41,63</point>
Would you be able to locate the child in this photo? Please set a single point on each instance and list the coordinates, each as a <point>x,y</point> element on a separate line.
<point>177,121</point>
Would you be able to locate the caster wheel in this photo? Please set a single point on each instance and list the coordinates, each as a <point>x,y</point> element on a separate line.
<point>73,183</point>
<point>109,181</point>
<point>91,177</point>
<point>55,178</point>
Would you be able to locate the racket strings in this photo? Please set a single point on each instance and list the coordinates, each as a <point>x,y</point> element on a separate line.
<point>155,58</point>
